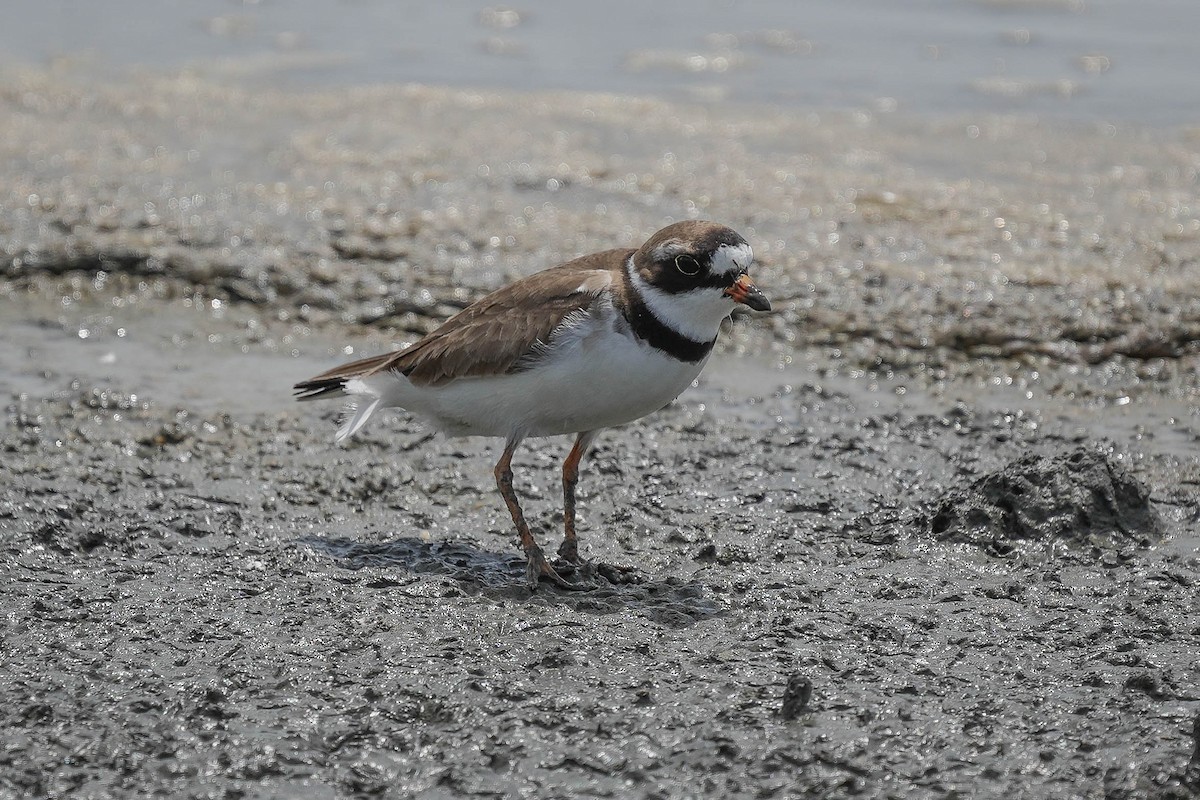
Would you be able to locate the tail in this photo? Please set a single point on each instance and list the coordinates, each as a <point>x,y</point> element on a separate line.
<point>348,379</point>
<point>357,413</point>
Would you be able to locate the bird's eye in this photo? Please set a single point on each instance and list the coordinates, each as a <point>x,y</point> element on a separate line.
<point>687,265</point>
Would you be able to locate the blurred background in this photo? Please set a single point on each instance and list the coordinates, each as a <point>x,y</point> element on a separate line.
<point>1081,59</point>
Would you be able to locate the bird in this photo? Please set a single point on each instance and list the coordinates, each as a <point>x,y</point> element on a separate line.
<point>596,342</point>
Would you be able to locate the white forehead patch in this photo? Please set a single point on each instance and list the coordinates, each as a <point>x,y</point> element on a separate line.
<point>732,259</point>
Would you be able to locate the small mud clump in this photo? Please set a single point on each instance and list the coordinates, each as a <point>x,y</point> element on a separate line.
<point>1083,497</point>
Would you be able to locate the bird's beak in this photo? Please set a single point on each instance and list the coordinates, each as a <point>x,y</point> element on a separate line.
<point>745,292</point>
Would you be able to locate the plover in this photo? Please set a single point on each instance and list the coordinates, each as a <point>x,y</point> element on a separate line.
<point>596,342</point>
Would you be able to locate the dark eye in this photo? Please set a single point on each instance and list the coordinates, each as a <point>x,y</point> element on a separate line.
<point>687,265</point>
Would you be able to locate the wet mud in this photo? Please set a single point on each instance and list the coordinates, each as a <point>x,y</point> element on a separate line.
<point>1083,496</point>
<point>930,529</point>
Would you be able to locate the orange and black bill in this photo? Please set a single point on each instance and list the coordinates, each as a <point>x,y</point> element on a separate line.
<point>745,292</point>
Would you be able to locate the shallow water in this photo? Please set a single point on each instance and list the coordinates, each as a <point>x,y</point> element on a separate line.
<point>1091,60</point>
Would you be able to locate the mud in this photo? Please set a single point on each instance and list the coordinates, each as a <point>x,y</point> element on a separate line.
<point>204,597</point>
<point>1082,495</point>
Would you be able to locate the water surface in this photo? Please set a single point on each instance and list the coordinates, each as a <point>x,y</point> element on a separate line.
<point>1073,59</point>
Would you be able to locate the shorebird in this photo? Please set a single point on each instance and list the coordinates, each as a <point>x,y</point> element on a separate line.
<point>599,341</point>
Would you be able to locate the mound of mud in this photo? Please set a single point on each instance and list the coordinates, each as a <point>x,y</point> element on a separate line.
<point>1083,497</point>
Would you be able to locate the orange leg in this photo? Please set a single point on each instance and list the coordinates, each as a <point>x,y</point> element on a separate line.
<point>569,549</point>
<point>537,565</point>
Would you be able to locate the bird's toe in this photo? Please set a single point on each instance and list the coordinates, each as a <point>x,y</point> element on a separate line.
<point>538,568</point>
<point>614,573</point>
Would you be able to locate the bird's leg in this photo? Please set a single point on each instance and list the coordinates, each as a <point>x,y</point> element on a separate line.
<point>569,549</point>
<point>537,565</point>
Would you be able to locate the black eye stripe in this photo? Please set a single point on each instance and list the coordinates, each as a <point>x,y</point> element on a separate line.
<point>678,284</point>
<point>666,275</point>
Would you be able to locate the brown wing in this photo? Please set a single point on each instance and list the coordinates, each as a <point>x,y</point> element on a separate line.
<point>493,335</point>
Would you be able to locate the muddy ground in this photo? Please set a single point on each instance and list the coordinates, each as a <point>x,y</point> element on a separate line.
<point>929,529</point>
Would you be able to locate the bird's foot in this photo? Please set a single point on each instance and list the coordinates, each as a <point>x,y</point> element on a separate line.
<point>591,572</point>
<point>538,567</point>
<point>617,574</point>
<point>568,551</point>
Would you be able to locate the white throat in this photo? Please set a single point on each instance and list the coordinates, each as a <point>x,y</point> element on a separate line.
<point>697,314</point>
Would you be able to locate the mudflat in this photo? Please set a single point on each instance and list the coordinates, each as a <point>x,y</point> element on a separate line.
<point>927,529</point>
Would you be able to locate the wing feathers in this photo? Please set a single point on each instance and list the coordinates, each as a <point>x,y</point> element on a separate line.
<point>498,334</point>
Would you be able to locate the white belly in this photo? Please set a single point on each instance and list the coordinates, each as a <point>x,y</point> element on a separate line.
<point>596,378</point>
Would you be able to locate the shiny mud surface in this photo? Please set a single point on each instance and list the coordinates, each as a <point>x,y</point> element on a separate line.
<point>928,529</point>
